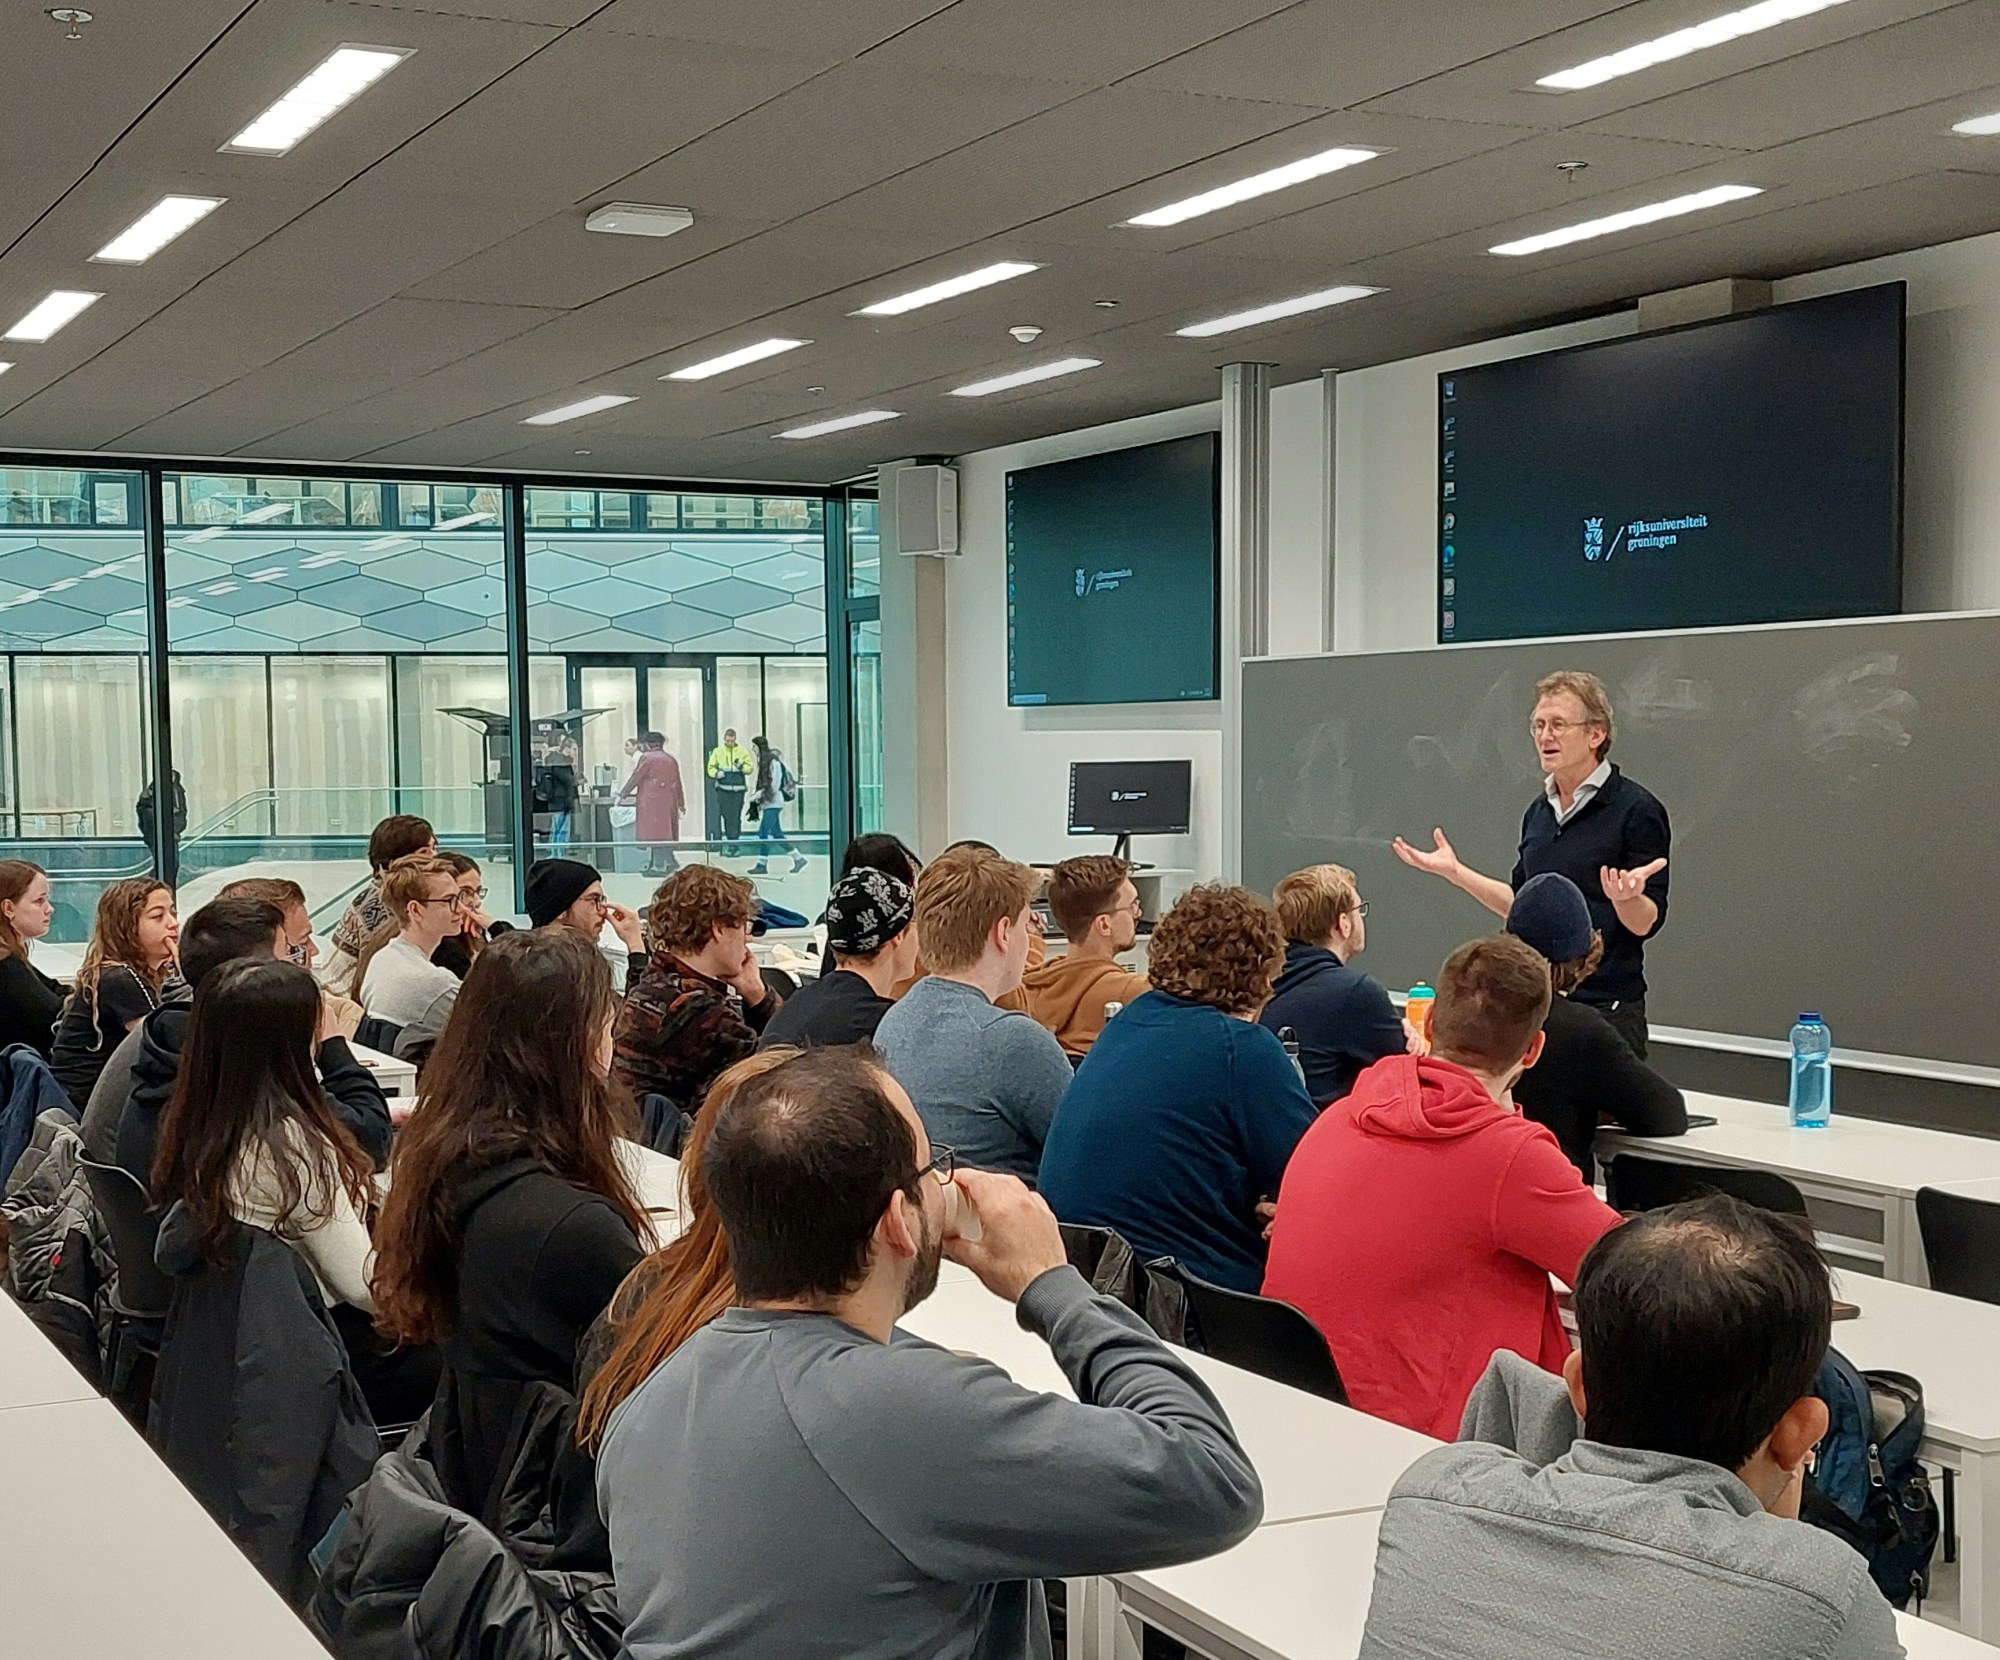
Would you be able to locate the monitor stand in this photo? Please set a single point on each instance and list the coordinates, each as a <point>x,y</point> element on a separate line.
<point>1122,849</point>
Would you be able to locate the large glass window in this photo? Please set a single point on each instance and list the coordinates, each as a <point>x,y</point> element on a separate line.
<point>339,653</point>
<point>686,616</point>
<point>867,659</point>
<point>73,618</point>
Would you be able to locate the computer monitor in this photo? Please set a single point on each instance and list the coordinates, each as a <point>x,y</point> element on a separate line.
<point>1129,798</point>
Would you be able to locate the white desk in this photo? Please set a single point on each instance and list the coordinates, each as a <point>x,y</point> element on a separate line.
<point>1927,1640</point>
<point>1314,1458</point>
<point>33,1371</point>
<point>1860,1176</point>
<point>1952,1347</point>
<point>1294,1592</point>
<point>115,1557</point>
<point>397,1078</point>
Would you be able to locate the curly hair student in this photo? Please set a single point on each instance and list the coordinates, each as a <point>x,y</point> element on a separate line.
<point>1181,1120</point>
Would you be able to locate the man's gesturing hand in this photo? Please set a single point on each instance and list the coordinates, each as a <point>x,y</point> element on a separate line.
<point>1442,861</point>
<point>1621,885</point>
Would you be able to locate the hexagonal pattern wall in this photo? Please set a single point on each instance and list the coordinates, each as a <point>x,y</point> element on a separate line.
<point>346,591</point>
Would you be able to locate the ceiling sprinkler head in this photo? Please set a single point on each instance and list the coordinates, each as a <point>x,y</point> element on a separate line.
<point>73,17</point>
<point>1570,169</point>
<point>1026,333</point>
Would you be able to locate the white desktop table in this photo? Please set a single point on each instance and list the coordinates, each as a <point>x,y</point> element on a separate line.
<point>397,1078</point>
<point>1859,1175</point>
<point>1951,1345</point>
<point>33,1371</point>
<point>114,1557</point>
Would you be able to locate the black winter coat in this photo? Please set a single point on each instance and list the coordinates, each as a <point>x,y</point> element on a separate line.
<point>414,1578</point>
<point>254,1406</point>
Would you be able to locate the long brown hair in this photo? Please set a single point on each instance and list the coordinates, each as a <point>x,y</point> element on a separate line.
<point>675,1291</point>
<point>114,937</point>
<point>515,1074</point>
<point>16,877</point>
<point>247,1086</point>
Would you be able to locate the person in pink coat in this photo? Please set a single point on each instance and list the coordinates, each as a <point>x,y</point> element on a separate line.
<point>656,791</point>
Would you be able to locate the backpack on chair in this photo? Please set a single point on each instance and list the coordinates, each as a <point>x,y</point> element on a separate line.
<point>1867,1485</point>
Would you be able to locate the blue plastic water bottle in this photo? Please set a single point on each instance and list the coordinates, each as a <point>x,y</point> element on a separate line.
<point>1812,1073</point>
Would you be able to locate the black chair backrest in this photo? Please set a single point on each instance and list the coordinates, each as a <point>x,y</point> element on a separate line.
<point>1103,1258</point>
<point>378,1034</point>
<point>1961,1243</point>
<point>1261,1335</point>
<point>127,1208</point>
<point>1632,1183</point>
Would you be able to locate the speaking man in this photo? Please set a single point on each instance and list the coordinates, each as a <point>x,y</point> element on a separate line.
<point>1592,824</point>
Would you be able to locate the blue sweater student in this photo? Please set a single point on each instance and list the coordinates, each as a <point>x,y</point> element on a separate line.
<point>1181,1119</point>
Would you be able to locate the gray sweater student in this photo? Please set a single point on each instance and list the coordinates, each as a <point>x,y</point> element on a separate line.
<point>1664,1526</point>
<point>799,1479</point>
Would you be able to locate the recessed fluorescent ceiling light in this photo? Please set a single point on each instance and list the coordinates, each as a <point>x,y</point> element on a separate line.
<point>1630,218</point>
<point>336,83</point>
<point>1980,126</point>
<point>1258,184</point>
<point>4,367</point>
<point>155,228</point>
<point>841,423</point>
<point>1276,309</point>
<point>985,277</point>
<point>1026,377</point>
<point>736,359</point>
<point>60,308</point>
<point>1717,31</point>
<point>570,411</point>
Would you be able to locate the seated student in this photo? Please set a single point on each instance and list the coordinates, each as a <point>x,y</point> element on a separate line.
<point>396,837</point>
<point>1342,1018</point>
<point>986,1081</point>
<point>567,893</point>
<point>677,1290</point>
<point>456,950</point>
<point>300,946</point>
<point>223,931</point>
<point>123,978</point>
<point>30,1001</point>
<point>1096,905</point>
<point>1587,1073</point>
<point>510,1220</point>
<point>1669,1525</point>
<point>878,850</point>
<point>1422,1216</point>
<point>870,946</point>
<point>1181,1121</point>
<point>396,980</point>
<point>249,1137</point>
<point>701,1002</point>
<point>797,1480</point>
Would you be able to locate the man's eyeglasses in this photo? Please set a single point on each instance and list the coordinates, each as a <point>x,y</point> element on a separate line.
<point>1556,728</point>
<point>1135,908</point>
<point>1360,908</point>
<point>472,893</point>
<point>453,899</point>
<point>944,1160</point>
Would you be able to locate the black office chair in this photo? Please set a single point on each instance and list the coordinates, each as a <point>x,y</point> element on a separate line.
<point>1961,1243</point>
<point>378,1034</point>
<point>139,1302</point>
<point>1632,1183</point>
<point>1260,1334</point>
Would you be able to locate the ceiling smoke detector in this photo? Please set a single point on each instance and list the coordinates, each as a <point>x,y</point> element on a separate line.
<point>1026,333</point>
<point>72,16</point>
<point>638,219</point>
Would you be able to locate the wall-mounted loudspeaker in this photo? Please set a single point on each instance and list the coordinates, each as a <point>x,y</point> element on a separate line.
<point>927,510</point>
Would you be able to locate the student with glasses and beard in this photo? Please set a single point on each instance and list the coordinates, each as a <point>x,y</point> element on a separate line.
<point>794,1480</point>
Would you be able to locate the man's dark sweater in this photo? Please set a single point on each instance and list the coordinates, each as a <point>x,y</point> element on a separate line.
<point>1623,826</point>
<point>1586,1070</point>
<point>1342,1018</point>
<point>351,1091</point>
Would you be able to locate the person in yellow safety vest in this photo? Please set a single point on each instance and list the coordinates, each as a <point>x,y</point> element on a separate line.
<point>729,767</point>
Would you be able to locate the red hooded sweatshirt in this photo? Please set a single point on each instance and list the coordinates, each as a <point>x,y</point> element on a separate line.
<point>1418,1224</point>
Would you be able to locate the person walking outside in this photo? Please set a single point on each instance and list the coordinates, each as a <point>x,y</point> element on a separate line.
<point>656,790</point>
<point>775,786</point>
<point>729,767</point>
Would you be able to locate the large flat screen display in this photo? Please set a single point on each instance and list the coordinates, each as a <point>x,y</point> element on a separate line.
<point>1111,576</point>
<point>1745,470</point>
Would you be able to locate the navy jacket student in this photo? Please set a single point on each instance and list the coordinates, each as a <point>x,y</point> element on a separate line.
<point>1342,1018</point>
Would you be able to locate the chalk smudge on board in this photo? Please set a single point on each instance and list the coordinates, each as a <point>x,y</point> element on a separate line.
<point>1854,718</point>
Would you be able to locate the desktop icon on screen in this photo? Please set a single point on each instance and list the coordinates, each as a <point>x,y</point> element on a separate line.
<point>1450,553</point>
<point>1450,490</point>
<point>1451,426</point>
<point>1450,523</point>
<point>1451,389</point>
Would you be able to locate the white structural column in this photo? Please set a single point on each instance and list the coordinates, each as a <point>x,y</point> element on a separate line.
<point>1329,380</point>
<point>1245,600</point>
<point>916,775</point>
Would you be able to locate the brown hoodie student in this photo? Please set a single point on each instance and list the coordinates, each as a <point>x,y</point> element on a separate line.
<point>1096,905</point>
